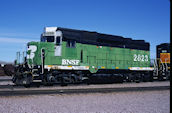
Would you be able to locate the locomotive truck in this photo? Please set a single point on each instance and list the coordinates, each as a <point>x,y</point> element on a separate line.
<point>73,56</point>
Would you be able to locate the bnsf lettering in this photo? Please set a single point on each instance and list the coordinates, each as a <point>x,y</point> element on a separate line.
<point>70,62</point>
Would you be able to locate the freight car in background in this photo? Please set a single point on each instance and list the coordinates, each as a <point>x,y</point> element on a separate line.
<point>73,56</point>
<point>162,62</point>
<point>6,69</point>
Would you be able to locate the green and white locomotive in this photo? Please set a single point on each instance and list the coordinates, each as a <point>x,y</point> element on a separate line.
<point>73,56</point>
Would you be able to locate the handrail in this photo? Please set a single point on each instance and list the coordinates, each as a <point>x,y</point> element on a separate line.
<point>163,67</point>
<point>156,66</point>
<point>166,64</point>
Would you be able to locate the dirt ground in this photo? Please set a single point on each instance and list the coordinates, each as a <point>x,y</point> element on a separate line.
<point>121,102</point>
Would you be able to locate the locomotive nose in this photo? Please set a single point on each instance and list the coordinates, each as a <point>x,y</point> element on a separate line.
<point>31,51</point>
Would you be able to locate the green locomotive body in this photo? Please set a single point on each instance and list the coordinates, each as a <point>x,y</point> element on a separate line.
<point>91,56</point>
<point>70,56</point>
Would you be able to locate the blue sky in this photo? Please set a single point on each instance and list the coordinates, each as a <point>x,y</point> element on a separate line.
<point>22,21</point>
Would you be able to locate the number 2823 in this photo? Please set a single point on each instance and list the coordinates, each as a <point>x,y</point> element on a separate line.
<point>140,57</point>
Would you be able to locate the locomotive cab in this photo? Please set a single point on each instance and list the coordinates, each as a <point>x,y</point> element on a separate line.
<point>52,35</point>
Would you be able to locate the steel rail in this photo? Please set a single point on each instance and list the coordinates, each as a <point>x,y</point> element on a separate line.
<point>2,80</point>
<point>80,91</point>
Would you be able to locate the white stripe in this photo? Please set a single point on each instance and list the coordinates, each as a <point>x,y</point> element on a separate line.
<point>66,67</point>
<point>141,68</point>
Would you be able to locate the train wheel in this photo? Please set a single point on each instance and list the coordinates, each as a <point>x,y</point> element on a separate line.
<point>129,77</point>
<point>27,85</point>
<point>63,83</point>
<point>72,81</point>
<point>137,80</point>
<point>137,77</point>
<point>37,84</point>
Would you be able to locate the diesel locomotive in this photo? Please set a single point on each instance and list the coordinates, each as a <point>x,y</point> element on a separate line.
<point>162,62</point>
<point>75,56</point>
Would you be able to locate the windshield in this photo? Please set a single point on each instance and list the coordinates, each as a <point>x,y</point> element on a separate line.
<point>50,38</point>
<point>47,39</point>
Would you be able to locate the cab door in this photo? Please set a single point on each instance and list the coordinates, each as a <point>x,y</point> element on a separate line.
<point>58,44</point>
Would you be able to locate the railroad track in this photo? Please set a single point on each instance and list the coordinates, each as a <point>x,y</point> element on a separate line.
<point>38,91</point>
<point>157,83</point>
<point>13,90</point>
<point>2,80</point>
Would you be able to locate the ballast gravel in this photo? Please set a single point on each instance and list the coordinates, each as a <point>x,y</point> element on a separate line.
<point>120,102</point>
<point>5,82</point>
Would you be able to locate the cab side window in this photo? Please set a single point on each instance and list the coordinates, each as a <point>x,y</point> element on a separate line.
<point>71,44</point>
